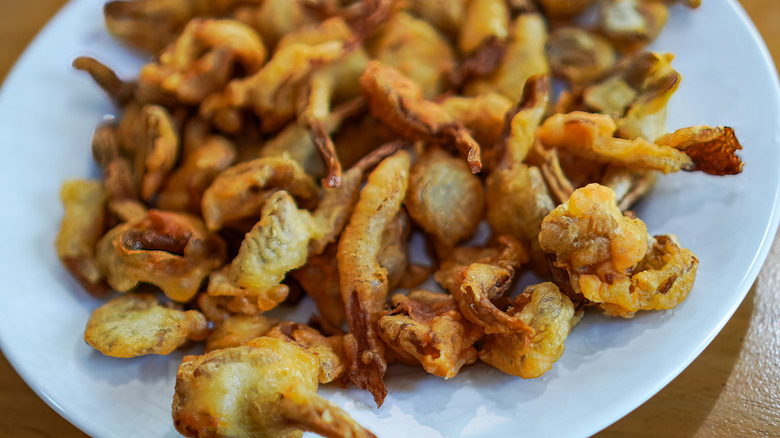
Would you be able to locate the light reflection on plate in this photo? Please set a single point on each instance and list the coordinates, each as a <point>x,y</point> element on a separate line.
<point>48,112</point>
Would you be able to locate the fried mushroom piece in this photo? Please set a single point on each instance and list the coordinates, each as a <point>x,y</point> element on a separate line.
<point>551,316</point>
<point>173,251</point>
<point>417,50</point>
<point>183,189</point>
<point>83,223</point>
<point>203,58</point>
<point>712,149</point>
<point>636,94</point>
<point>631,24</point>
<point>267,390</point>
<point>328,350</point>
<point>485,22</point>
<point>240,191</point>
<point>398,102</point>
<point>598,254</point>
<point>578,55</point>
<point>564,9</point>
<point>428,327</point>
<point>516,194</point>
<point>505,251</point>
<point>277,244</point>
<point>136,325</point>
<point>592,136</point>
<point>524,57</point>
<point>483,115</point>
<point>364,282</point>
<point>235,330</point>
<point>444,198</point>
<point>158,150</point>
<point>445,15</point>
<point>319,278</point>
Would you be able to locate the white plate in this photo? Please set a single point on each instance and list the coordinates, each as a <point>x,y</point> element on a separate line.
<point>611,366</point>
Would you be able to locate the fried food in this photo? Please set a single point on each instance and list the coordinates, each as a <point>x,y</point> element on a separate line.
<point>264,390</point>
<point>398,102</point>
<point>507,251</point>
<point>564,9</point>
<point>173,251</point>
<point>328,350</point>
<point>524,57</point>
<point>159,152</point>
<point>592,136</point>
<point>240,192</point>
<point>364,283</point>
<point>417,51</point>
<point>606,258</point>
<point>277,244</point>
<point>712,149</point>
<point>550,315</point>
<point>204,58</point>
<point>482,116</point>
<point>235,330</point>
<point>578,55</point>
<point>485,22</point>
<point>319,278</point>
<point>444,198</point>
<point>136,325</point>
<point>83,223</point>
<point>631,24</point>
<point>427,327</point>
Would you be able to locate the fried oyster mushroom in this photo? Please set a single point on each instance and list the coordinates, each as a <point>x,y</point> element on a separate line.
<point>173,251</point>
<point>82,226</point>
<point>428,328</point>
<point>550,314</point>
<point>364,282</point>
<point>136,325</point>
<point>598,255</point>
<point>267,390</point>
<point>444,198</point>
<point>328,350</point>
<point>399,103</point>
<point>235,330</point>
<point>277,244</point>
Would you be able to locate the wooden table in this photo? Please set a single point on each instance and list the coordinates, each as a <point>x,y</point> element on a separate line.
<point>732,389</point>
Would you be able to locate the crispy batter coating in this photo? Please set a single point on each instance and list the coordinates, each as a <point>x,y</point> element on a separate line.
<point>364,282</point>
<point>417,50</point>
<point>578,55</point>
<point>239,192</point>
<point>159,151</point>
<point>183,189</point>
<point>83,223</point>
<point>273,19</point>
<point>481,283</point>
<point>517,197</point>
<point>264,390</point>
<point>591,136</point>
<point>235,330</point>
<point>600,255</point>
<point>446,15</point>
<point>564,9</point>
<point>319,278</point>
<point>203,58</point>
<point>485,21</point>
<point>117,89</point>
<point>482,115</point>
<point>631,24</point>
<point>507,251</point>
<point>629,185</point>
<point>277,244</point>
<point>398,102</point>
<point>551,316</point>
<point>636,94</point>
<point>136,325</point>
<point>328,350</point>
<point>427,327</point>
<point>173,251</point>
<point>271,92</point>
<point>713,150</point>
<point>525,57</point>
<point>444,198</point>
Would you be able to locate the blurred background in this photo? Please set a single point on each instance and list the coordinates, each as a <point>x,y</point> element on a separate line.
<point>732,389</point>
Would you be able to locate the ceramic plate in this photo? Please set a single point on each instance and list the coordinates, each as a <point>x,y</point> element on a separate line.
<point>611,366</point>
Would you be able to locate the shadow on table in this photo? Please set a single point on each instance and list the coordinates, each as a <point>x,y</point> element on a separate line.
<point>681,407</point>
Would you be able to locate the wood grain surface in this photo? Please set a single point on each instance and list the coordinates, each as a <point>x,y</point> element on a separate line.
<point>731,390</point>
